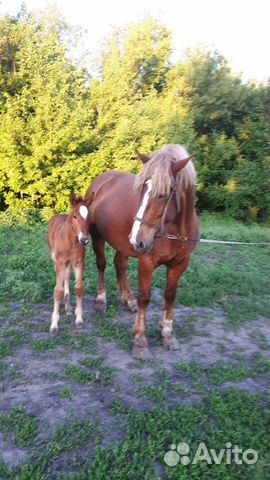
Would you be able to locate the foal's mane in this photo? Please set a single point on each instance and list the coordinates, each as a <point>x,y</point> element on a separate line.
<point>158,168</point>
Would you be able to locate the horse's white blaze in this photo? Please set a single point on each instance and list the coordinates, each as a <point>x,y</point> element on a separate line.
<point>140,213</point>
<point>83,211</point>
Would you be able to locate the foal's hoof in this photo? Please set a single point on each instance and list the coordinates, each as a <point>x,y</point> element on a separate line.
<point>68,311</point>
<point>141,353</point>
<point>100,306</point>
<point>53,332</point>
<point>170,343</point>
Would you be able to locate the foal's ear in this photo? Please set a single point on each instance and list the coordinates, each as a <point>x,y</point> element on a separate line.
<point>72,198</point>
<point>177,166</point>
<point>143,158</point>
<point>89,199</point>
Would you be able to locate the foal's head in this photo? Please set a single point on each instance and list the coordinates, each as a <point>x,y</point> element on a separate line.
<point>79,217</point>
<point>167,170</point>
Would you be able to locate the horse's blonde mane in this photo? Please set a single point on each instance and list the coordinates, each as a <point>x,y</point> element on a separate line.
<point>158,168</point>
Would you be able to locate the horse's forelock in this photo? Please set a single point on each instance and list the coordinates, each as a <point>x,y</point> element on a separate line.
<point>158,168</point>
<point>78,201</point>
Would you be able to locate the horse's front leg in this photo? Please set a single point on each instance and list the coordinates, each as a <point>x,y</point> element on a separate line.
<point>58,296</point>
<point>78,271</point>
<point>166,324</point>
<point>68,308</point>
<point>140,344</point>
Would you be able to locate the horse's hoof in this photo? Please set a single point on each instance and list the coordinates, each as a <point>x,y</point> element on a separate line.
<point>53,332</point>
<point>100,306</point>
<point>170,343</point>
<point>141,353</point>
<point>132,305</point>
<point>68,311</point>
<point>78,325</point>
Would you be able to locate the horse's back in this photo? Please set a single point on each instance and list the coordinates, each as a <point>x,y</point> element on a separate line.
<point>108,181</point>
<point>113,208</point>
<point>112,194</point>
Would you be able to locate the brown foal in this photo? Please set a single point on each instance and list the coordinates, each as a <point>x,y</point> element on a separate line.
<point>67,237</point>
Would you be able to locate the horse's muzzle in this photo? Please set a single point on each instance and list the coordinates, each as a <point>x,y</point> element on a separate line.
<point>84,241</point>
<point>143,246</point>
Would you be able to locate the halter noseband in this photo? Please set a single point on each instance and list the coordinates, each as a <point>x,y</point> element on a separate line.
<point>161,226</point>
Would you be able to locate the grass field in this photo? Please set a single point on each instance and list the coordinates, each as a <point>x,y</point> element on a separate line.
<point>77,406</point>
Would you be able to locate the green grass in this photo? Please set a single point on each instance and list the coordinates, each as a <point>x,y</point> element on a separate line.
<point>22,424</point>
<point>65,392</point>
<point>79,375</point>
<point>214,421</point>
<point>220,373</point>
<point>113,331</point>
<point>71,436</point>
<point>104,375</point>
<point>9,340</point>
<point>79,342</point>
<point>92,362</point>
<point>154,393</point>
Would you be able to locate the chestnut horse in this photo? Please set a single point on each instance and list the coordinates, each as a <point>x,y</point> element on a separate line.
<point>67,237</point>
<point>136,215</point>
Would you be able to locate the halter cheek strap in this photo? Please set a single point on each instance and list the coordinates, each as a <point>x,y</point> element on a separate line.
<point>161,226</point>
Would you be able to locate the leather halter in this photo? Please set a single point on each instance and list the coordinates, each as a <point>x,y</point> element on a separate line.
<point>161,226</point>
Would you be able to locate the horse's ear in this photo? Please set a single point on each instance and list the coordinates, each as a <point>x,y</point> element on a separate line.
<point>143,158</point>
<point>177,166</point>
<point>72,198</point>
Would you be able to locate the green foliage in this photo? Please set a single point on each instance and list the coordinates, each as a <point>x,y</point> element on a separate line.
<point>59,130</point>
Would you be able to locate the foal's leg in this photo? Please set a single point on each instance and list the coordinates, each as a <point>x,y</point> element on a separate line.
<point>58,296</point>
<point>140,343</point>
<point>78,271</point>
<point>166,324</point>
<point>68,308</point>
<point>98,246</point>
<point>126,295</point>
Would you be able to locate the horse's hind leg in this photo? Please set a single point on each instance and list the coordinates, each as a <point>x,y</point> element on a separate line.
<point>126,295</point>
<point>166,324</point>
<point>68,308</point>
<point>78,271</point>
<point>58,296</point>
<point>98,246</point>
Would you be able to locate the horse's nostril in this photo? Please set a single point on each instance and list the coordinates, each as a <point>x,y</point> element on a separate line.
<point>140,245</point>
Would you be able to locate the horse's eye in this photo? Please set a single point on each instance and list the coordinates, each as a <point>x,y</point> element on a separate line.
<point>162,197</point>
<point>74,216</point>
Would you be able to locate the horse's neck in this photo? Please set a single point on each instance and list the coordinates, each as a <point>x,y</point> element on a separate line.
<point>185,216</point>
